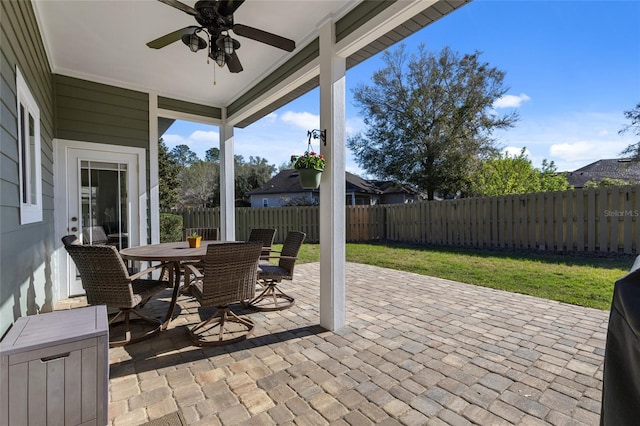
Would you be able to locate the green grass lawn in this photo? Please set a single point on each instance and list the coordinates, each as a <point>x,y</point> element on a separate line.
<point>585,281</point>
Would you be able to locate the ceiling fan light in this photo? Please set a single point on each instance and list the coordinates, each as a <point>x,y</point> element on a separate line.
<point>227,44</point>
<point>220,58</point>
<point>194,42</point>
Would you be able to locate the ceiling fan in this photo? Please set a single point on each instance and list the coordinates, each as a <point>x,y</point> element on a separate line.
<point>216,20</point>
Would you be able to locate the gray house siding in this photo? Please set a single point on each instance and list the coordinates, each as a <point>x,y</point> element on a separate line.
<point>70,108</point>
<point>26,285</point>
<point>93,112</point>
<point>279,200</point>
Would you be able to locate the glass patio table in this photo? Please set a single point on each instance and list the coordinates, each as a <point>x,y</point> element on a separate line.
<point>174,253</point>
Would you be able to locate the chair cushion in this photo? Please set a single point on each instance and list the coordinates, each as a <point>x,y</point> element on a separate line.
<point>144,289</point>
<point>272,272</point>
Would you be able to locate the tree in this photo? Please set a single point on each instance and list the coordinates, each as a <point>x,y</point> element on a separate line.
<point>429,121</point>
<point>168,176</point>
<point>505,174</point>
<point>251,175</point>
<point>634,115</point>
<point>212,154</point>
<point>183,155</point>
<point>286,165</point>
<point>200,184</point>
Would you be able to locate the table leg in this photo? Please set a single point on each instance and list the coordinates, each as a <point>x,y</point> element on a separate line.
<point>174,278</point>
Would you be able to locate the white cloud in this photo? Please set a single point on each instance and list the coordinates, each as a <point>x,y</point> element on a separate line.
<point>198,141</point>
<point>270,118</point>
<point>511,101</point>
<point>586,150</point>
<point>200,136</point>
<point>304,120</point>
<point>172,140</point>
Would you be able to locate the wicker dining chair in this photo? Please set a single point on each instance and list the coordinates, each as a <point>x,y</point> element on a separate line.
<point>266,237</point>
<point>94,235</point>
<point>272,298</point>
<point>70,239</point>
<point>207,234</point>
<point>107,281</point>
<point>230,273</point>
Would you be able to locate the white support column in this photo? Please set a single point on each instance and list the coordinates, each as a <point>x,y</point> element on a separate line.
<point>227,182</point>
<point>154,180</point>
<point>332,187</point>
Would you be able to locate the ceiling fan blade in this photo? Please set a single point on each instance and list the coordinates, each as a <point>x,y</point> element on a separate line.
<point>167,39</point>
<point>265,37</point>
<point>179,5</point>
<point>233,62</point>
<point>227,7</point>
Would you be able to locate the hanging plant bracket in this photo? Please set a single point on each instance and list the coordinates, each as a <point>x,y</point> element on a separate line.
<point>318,134</point>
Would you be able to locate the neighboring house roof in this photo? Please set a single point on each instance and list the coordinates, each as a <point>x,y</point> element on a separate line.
<point>621,168</point>
<point>357,184</point>
<point>390,187</point>
<point>287,181</point>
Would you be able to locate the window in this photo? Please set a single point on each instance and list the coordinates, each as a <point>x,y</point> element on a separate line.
<point>265,202</point>
<point>28,153</point>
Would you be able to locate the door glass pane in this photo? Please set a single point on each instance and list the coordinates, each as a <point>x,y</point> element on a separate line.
<point>32,160</point>
<point>23,147</point>
<point>104,203</point>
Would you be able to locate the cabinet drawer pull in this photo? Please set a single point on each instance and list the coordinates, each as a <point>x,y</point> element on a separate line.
<point>51,358</point>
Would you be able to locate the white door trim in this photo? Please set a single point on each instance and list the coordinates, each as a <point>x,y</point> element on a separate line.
<point>61,204</point>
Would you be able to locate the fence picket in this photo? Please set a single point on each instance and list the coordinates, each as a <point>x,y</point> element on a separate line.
<point>627,229</point>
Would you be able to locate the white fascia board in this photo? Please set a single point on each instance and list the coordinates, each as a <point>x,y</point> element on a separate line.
<point>400,12</point>
<point>177,115</point>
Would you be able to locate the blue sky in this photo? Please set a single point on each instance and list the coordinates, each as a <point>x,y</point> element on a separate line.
<point>572,69</point>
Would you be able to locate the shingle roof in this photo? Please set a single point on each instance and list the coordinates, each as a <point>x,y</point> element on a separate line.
<point>287,181</point>
<point>624,168</point>
<point>390,187</point>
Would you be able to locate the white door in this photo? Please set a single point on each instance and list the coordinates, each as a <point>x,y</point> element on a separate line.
<point>102,200</point>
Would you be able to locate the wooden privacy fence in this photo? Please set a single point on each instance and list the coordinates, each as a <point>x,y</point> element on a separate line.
<point>603,219</point>
<point>284,219</point>
<point>594,220</point>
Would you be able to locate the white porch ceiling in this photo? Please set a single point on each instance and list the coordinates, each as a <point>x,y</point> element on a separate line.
<point>105,41</point>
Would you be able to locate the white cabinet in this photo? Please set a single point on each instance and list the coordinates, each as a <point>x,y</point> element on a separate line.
<point>54,369</point>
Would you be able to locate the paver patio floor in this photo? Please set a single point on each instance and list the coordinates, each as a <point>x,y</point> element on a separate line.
<point>415,350</point>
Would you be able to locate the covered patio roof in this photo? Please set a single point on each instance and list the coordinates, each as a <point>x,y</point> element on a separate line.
<point>105,42</point>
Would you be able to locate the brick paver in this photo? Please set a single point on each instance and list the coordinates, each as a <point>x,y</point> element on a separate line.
<point>415,350</point>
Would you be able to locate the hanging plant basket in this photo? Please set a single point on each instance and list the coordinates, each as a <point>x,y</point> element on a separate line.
<point>309,166</point>
<point>310,178</point>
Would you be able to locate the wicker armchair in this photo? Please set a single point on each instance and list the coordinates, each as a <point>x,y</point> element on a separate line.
<point>266,237</point>
<point>271,298</point>
<point>230,273</point>
<point>106,281</point>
